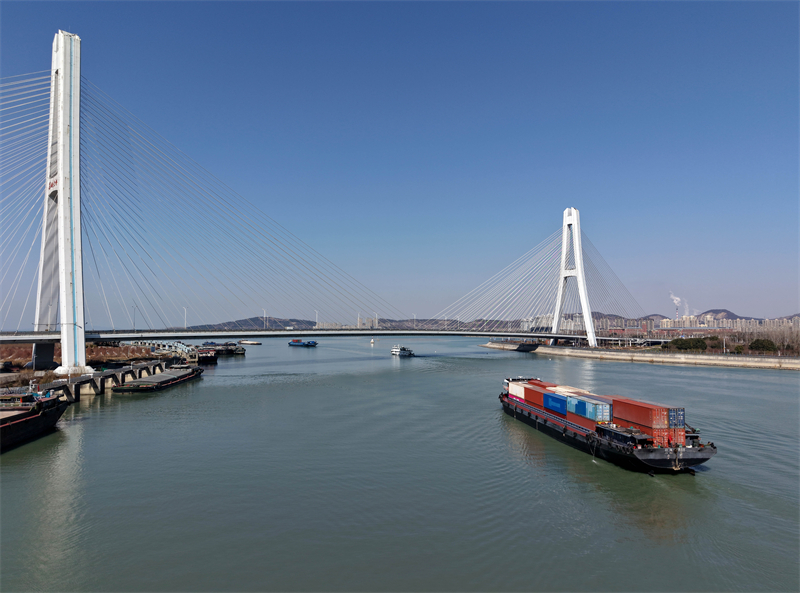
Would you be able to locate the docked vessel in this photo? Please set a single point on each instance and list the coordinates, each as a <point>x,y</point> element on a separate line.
<point>302,344</point>
<point>206,356</point>
<point>250,342</point>
<point>402,351</point>
<point>173,376</point>
<point>27,415</point>
<point>633,434</point>
<point>225,349</point>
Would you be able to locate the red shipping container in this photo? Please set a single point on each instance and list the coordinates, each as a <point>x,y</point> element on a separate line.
<point>664,437</point>
<point>533,396</point>
<point>641,413</point>
<point>544,385</point>
<point>581,421</point>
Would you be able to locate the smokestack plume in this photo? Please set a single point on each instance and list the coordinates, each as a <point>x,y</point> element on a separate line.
<point>677,301</point>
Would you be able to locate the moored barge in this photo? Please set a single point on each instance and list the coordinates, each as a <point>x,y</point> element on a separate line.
<point>636,435</point>
<point>169,378</point>
<point>26,416</point>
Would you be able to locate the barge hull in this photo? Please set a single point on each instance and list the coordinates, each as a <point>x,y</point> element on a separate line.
<point>30,426</point>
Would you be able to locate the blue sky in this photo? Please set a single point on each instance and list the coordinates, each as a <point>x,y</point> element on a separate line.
<point>424,146</point>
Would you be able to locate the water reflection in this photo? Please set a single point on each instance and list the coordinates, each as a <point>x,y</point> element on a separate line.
<point>663,508</point>
<point>44,528</point>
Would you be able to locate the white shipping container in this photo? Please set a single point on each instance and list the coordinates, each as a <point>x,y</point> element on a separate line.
<point>516,389</point>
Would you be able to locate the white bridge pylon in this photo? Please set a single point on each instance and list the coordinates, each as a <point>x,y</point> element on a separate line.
<point>572,267</point>
<point>60,288</point>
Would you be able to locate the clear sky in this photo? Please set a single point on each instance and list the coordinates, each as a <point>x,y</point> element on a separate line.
<point>424,146</point>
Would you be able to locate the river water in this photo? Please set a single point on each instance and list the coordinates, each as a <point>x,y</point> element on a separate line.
<point>342,468</point>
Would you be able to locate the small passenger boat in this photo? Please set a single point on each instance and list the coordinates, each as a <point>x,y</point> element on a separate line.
<point>250,342</point>
<point>402,351</point>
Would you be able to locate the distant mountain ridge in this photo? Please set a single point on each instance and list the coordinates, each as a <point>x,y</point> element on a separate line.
<point>257,323</point>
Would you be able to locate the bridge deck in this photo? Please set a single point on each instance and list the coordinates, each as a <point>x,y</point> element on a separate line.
<point>52,337</point>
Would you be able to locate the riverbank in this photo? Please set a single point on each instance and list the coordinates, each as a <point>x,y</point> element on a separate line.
<point>648,356</point>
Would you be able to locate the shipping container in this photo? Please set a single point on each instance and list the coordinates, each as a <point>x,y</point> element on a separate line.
<point>589,408</point>
<point>642,413</point>
<point>581,421</point>
<point>662,437</point>
<point>516,389</point>
<point>677,418</point>
<point>534,396</point>
<point>555,403</point>
<point>542,384</point>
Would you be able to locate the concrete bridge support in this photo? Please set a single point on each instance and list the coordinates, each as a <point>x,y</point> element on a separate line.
<point>572,267</point>
<point>60,288</point>
<point>99,383</point>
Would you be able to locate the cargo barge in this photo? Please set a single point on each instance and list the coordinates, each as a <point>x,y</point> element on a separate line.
<point>224,349</point>
<point>636,435</point>
<point>169,378</point>
<point>26,416</point>
<point>302,344</point>
<point>206,356</point>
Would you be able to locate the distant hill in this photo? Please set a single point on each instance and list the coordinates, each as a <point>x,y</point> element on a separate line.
<point>255,323</point>
<point>724,314</point>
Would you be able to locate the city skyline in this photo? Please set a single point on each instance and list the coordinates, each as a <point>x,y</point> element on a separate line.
<point>460,132</point>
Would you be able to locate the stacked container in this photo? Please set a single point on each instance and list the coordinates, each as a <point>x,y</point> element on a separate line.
<point>590,408</point>
<point>666,425</point>
<point>677,417</point>
<point>555,403</point>
<point>534,396</point>
<point>642,413</point>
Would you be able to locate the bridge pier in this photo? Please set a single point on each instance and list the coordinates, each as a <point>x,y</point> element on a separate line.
<point>100,383</point>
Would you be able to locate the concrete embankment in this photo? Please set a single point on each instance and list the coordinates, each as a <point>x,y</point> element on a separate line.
<point>751,362</point>
<point>514,346</point>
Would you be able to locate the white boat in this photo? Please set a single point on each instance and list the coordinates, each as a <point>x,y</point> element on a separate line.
<point>250,342</point>
<point>402,351</point>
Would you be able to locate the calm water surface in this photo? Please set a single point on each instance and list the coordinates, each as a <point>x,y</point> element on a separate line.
<point>342,468</point>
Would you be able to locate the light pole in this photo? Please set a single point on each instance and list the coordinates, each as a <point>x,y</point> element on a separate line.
<point>184,318</point>
<point>264,319</point>
<point>316,319</point>
<point>134,318</point>
<point>415,321</point>
<point>376,320</point>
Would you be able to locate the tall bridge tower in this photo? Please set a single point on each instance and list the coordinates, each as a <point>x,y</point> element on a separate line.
<point>572,267</point>
<point>60,288</point>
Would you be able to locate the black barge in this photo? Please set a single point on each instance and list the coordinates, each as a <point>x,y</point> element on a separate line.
<point>29,415</point>
<point>619,441</point>
<point>173,376</point>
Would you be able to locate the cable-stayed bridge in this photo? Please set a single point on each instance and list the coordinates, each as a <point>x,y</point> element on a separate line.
<point>134,239</point>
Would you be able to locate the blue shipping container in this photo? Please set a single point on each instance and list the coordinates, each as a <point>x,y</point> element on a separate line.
<point>677,417</point>
<point>556,403</point>
<point>589,408</point>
